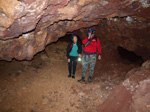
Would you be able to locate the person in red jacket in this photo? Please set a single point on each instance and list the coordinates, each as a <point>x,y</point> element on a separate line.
<point>91,45</point>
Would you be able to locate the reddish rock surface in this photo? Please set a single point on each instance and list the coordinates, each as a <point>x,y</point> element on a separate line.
<point>42,84</point>
<point>131,95</point>
<point>131,33</point>
<point>27,26</point>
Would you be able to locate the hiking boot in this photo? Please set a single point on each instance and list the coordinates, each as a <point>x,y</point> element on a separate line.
<point>69,75</point>
<point>90,79</point>
<point>73,77</point>
<point>81,80</point>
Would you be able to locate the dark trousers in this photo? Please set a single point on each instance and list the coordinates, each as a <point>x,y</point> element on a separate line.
<point>73,60</point>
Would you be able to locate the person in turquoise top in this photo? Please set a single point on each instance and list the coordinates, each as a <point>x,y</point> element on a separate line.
<point>74,50</point>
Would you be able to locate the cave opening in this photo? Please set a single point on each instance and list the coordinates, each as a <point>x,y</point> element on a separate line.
<point>129,56</point>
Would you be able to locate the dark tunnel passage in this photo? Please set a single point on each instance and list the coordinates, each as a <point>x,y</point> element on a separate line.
<point>129,55</point>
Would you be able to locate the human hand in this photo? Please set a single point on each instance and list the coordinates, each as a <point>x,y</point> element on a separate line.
<point>80,55</point>
<point>68,60</point>
<point>99,57</point>
<point>89,35</point>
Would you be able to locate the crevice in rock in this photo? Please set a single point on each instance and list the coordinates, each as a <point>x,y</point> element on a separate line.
<point>130,56</point>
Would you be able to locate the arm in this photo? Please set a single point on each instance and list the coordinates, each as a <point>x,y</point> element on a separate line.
<point>68,50</point>
<point>99,49</point>
<point>80,49</point>
<point>84,40</point>
<point>99,46</point>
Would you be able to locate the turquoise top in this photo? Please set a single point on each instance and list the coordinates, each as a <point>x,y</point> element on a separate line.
<point>74,50</point>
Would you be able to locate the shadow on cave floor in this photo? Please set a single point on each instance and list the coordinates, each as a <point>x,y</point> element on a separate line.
<point>42,85</point>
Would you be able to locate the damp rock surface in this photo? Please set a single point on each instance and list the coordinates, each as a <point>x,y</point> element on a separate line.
<point>27,26</point>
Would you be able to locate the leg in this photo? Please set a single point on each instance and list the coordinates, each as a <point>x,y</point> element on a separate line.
<point>74,64</point>
<point>92,66</point>
<point>84,67</point>
<point>70,67</point>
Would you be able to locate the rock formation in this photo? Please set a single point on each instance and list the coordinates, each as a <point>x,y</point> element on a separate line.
<point>131,95</point>
<point>27,26</point>
<point>131,33</point>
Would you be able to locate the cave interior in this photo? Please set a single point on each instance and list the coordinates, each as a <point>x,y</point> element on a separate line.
<point>34,35</point>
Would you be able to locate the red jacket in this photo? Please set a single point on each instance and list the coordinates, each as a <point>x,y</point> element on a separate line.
<point>93,46</point>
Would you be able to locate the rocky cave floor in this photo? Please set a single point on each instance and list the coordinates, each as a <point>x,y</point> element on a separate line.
<point>42,85</point>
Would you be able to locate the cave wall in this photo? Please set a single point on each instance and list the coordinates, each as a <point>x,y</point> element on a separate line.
<point>132,95</point>
<point>131,33</point>
<point>27,26</point>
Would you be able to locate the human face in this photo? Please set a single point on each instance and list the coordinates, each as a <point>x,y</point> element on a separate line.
<point>75,39</point>
<point>91,34</point>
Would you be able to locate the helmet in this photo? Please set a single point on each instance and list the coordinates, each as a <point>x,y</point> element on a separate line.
<point>73,35</point>
<point>90,30</point>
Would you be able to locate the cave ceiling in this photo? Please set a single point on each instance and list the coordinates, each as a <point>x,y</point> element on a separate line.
<point>27,26</point>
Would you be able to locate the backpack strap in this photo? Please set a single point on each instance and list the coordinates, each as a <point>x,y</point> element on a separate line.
<point>89,41</point>
<point>95,38</point>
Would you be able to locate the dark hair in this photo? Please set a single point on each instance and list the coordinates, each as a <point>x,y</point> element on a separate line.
<point>78,39</point>
<point>73,35</point>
